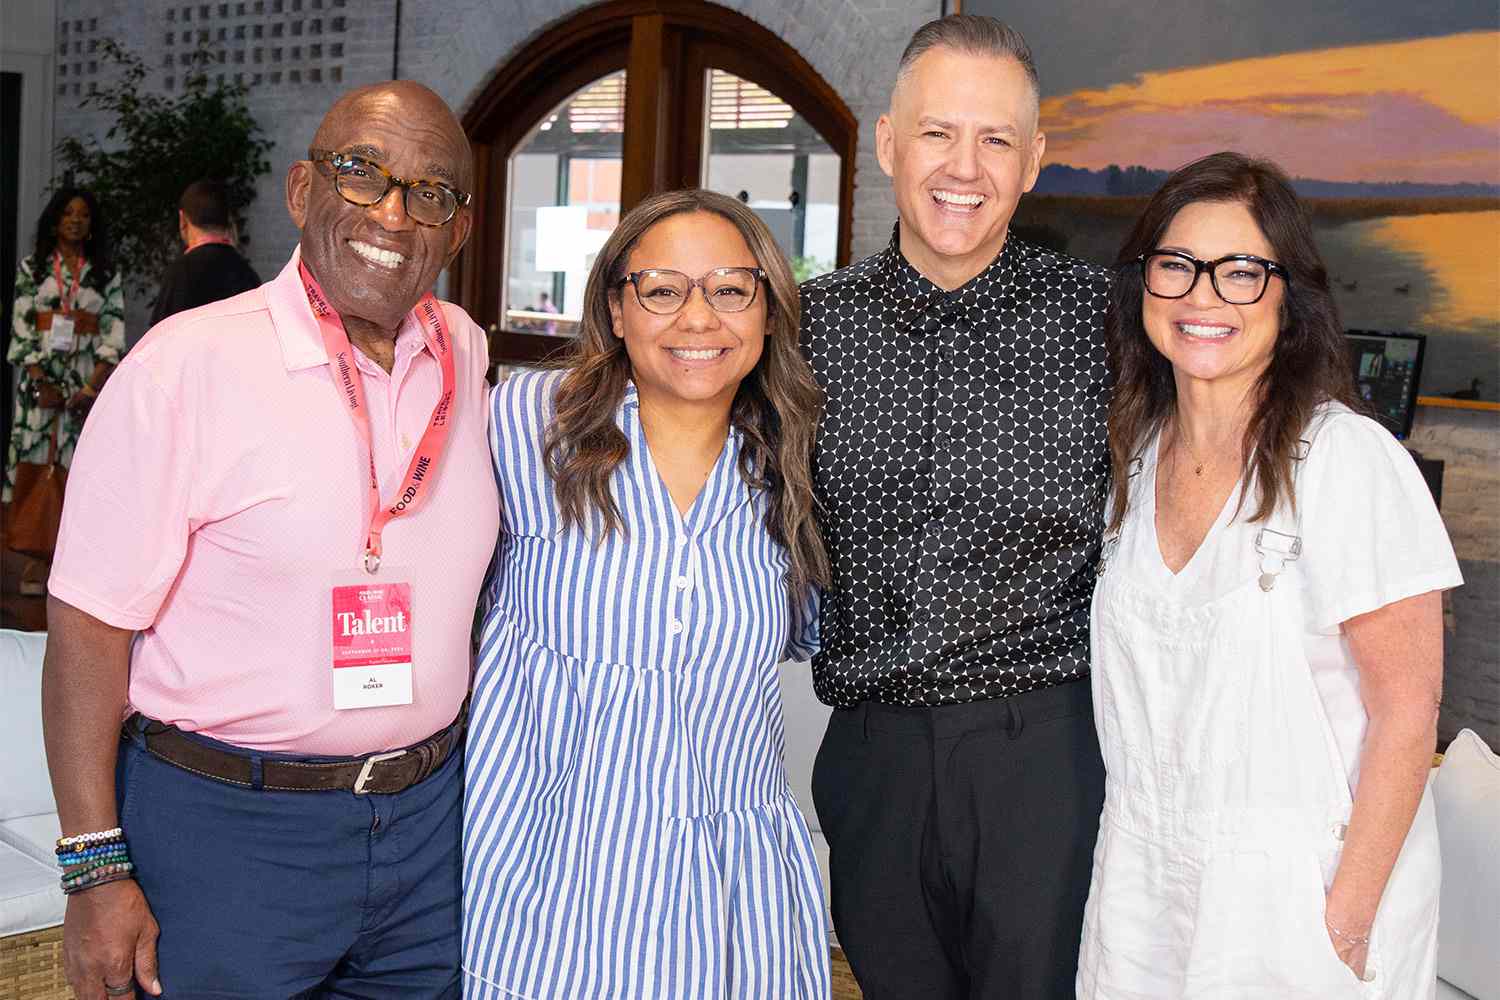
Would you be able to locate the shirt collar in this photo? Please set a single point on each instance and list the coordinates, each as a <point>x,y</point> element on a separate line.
<point>631,400</point>
<point>917,299</point>
<point>297,328</point>
<point>67,267</point>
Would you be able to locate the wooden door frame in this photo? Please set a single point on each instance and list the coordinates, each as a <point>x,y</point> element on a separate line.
<point>664,46</point>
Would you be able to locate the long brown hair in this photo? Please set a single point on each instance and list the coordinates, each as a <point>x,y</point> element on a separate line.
<point>776,408</point>
<point>1309,363</point>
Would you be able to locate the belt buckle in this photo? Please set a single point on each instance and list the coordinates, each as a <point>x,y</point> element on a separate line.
<point>370,762</point>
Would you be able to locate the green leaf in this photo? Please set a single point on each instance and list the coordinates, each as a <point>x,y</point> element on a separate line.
<point>156,146</point>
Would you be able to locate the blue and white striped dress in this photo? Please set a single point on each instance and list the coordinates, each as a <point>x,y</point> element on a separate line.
<point>628,827</point>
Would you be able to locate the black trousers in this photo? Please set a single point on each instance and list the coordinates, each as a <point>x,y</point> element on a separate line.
<point>961,842</point>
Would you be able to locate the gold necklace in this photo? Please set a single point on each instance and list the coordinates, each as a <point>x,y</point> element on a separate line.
<point>1198,467</point>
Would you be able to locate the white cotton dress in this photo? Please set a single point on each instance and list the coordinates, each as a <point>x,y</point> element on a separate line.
<point>1231,724</point>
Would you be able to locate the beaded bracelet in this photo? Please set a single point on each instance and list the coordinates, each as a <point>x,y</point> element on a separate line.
<point>77,870</point>
<point>90,859</point>
<point>103,867</point>
<point>88,878</point>
<point>92,852</point>
<point>87,839</point>
<point>105,880</point>
<point>66,852</point>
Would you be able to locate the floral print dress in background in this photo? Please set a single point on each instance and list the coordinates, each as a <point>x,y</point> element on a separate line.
<point>31,430</point>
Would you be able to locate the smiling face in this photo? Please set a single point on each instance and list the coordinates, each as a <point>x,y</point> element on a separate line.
<point>374,262</point>
<point>73,225</point>
<point>1205,338</point>
<point>961,146</point>
<point>696,355</point>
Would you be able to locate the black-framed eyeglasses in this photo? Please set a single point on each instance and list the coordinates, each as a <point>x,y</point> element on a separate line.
<point>726,289</point>
<point>1240,279</point>
<point>364,183</point>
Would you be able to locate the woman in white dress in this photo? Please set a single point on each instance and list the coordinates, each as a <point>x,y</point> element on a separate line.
<point>1267,628</point>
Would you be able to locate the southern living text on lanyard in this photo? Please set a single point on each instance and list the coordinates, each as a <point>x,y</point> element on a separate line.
<point>424,462</point>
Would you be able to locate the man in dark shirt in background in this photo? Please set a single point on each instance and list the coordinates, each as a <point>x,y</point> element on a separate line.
<point>210,267</point>
<point>961,467</point>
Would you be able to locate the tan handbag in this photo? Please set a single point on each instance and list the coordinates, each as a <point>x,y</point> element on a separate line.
<point>37,503</point>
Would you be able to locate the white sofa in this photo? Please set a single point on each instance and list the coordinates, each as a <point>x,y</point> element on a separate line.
<point>29,895</point>
<point>1466,794</point>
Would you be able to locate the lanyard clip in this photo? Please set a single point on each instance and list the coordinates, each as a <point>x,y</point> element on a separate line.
<point>372,562</point>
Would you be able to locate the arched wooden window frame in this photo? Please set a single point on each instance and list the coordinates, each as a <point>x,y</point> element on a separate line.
<point>666,47</point>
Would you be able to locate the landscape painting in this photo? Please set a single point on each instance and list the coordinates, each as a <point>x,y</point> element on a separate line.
<point>1387,118</point>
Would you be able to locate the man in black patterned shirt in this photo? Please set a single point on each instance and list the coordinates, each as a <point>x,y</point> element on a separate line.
<point>961,467</point>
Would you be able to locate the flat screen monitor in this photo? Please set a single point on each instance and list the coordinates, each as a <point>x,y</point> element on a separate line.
<point>1387,369</point>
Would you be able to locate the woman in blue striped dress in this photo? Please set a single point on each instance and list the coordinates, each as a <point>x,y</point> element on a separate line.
<point>629,831</point>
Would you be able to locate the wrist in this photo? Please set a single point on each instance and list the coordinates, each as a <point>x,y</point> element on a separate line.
<point>1346,938</point>
<point>1346,921</point>
<point>90,860</point>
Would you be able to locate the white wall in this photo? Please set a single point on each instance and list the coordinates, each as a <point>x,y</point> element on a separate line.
<point>27,46</point>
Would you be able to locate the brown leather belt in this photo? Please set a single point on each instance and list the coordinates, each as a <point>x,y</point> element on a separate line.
<point>378,774</point>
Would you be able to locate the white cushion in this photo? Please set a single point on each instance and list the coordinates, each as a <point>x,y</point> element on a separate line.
<point>1466,793</point>
<point>24,787</point>
<point>30,897</point>
<point>1447,991</point>
<point>33,835</point>
<point>806,718</point>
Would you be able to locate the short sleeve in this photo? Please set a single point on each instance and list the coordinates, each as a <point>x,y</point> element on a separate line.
<point>804,637</point>
<point>1371,534</point>
<point>127,505</point>
<point>25,345</point>
<point>111,342</point>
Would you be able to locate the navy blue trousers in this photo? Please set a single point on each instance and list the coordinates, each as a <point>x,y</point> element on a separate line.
<point>296,894</point>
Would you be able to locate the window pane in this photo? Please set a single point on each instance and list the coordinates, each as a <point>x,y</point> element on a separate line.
<point>564,190</point>
<point>763,152</point>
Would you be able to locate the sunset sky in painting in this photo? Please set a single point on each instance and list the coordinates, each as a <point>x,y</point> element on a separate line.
<point>1425,109</point>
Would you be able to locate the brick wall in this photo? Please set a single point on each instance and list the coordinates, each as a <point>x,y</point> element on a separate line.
<point>296,55</point>
<point>853,44</point>
<point>454,46</point>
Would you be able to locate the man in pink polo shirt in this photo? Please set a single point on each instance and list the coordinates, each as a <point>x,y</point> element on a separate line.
<point>278,523</point>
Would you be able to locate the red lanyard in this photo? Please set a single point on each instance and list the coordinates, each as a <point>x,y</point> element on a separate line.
<point>205,241</point>
<point>71,298</point>
<point>424,463</point>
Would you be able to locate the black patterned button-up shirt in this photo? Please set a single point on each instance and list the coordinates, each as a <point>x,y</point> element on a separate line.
<point>961,467</point>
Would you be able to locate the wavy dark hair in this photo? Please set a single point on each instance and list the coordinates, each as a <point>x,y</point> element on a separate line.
<point>98,249</point>
<point>776,408</point>
<point>1309,363</point>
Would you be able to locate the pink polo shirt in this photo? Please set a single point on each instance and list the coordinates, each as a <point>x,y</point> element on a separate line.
<point>220,486</point>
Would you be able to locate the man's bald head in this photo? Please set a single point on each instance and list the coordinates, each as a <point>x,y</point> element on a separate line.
<point>375,261</point>
<point>401,100</point>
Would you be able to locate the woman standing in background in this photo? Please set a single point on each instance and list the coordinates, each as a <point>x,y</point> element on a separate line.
<point>67,330</point>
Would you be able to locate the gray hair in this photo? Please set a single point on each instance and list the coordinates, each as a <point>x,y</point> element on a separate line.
<point>973,34</point>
